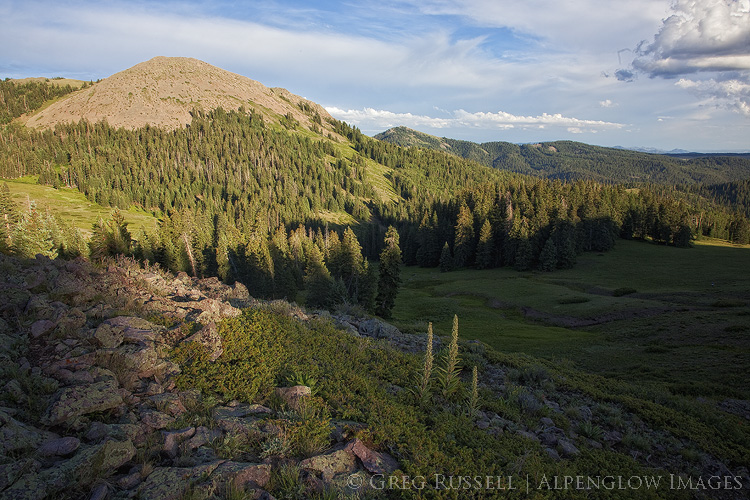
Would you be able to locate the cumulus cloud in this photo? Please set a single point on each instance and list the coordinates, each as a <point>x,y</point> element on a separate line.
<point>501,120</point>
<point>707,42</point>
<point>732,93</point>
<point>701,35</point>
<point>607,103</point>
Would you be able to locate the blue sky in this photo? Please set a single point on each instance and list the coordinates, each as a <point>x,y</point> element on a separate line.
<point>654,73</point>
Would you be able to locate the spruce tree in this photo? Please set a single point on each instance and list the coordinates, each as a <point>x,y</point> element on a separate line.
<point>548,257</point>
<point>463,249</point>
<point>485,246</point>
<point>318,281</point>
<point>446,259</point>
<point>389,274</point>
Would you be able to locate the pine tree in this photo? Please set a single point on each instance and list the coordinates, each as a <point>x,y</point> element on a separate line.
<point>389,274</point>
<point>446,259</point>
<point>485,246</point>
<point>34,234</point>
<point>463,249</point>
<point>548,257</point>
<point>318,281</point>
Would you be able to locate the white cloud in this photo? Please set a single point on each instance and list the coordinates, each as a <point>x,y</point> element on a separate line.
<point>701,35</point>
<point>704,37</point>
<point>380,119</point>
<point>733,93</point>
<point>607,103</point>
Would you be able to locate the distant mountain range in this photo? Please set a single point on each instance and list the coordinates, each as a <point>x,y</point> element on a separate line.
<point>683,153</point>
<point>569,160</point>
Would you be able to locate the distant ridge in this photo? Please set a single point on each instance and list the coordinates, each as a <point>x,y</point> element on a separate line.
<point>161,92</point>
<point>571,160</point>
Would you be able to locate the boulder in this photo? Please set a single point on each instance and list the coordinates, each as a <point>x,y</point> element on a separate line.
<point>331,464</point>
<point>292,396</point>
<point>59,447</point>
<point>173,439</point>
<point>375,462</point>
<point>155,419</point>
<point>242,475</point>
<point>170,483</point>
<point>72,402</point>
<point>209,337</point>
<point>42,327</point>
<point>566,448</point>
<point>15,435</point>
<point>113,332</point>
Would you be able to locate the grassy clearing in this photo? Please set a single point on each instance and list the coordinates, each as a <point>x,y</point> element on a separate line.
<point>72,206</point>
<point>685,327</point>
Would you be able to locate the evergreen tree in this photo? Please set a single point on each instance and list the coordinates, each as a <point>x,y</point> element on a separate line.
<point>368,287</point>
<point>548,257</point>
<point>485,246</point>
<point>389,274</point>
<point>8,218</point>
<point>463,249</point>
<point>34,234</point>
<point>446,259</point>
<point>318,281</point>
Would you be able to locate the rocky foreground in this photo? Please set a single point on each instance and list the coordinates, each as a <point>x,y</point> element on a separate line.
<point>90,408</point>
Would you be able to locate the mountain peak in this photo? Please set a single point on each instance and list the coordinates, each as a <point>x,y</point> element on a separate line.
<point>162,91</point>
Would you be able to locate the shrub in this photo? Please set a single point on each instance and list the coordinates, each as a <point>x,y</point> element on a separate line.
<point>255,347</point>
<point>573,300</point>
<point>589,430</point>
<point>626,290</point>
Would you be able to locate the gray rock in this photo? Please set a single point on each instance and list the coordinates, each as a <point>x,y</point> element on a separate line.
<point>155,419</point>
<point>173,439</point>
<point>59,447</point>
<point>552,454</point>
<point>331,464</point>
<point>528,435</point>
<point>292,396</point>
<point>566,448</point>
<point>15,435</point>
<point>170,483</point>
<point>72,402</point>
<point>209,337</point>
<point>375,462</point>
<point>99,492</point>
<point>242,475</point>
<point>42,327</point>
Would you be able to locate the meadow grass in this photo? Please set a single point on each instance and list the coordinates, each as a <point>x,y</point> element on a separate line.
<point>72,206</point>
<point>686,327</point>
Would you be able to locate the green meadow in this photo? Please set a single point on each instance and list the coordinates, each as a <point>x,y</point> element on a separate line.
<point>675,318</point>
<point>72,206</point>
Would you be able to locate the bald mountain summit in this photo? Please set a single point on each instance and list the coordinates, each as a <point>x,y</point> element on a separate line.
<point>163,91</point>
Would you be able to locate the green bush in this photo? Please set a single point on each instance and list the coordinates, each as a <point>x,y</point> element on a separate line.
<point>255,347</point>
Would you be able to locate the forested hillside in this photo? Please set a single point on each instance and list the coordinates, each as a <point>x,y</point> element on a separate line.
<point>19,98</point>
<point>568,160</point>
<point>286,209</point>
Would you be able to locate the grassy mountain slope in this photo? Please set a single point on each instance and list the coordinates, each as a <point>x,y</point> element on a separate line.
<point>162,91</point>
<point>575,160</point>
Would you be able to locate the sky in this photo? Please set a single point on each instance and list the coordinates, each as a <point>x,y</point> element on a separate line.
<point>665,74</point>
